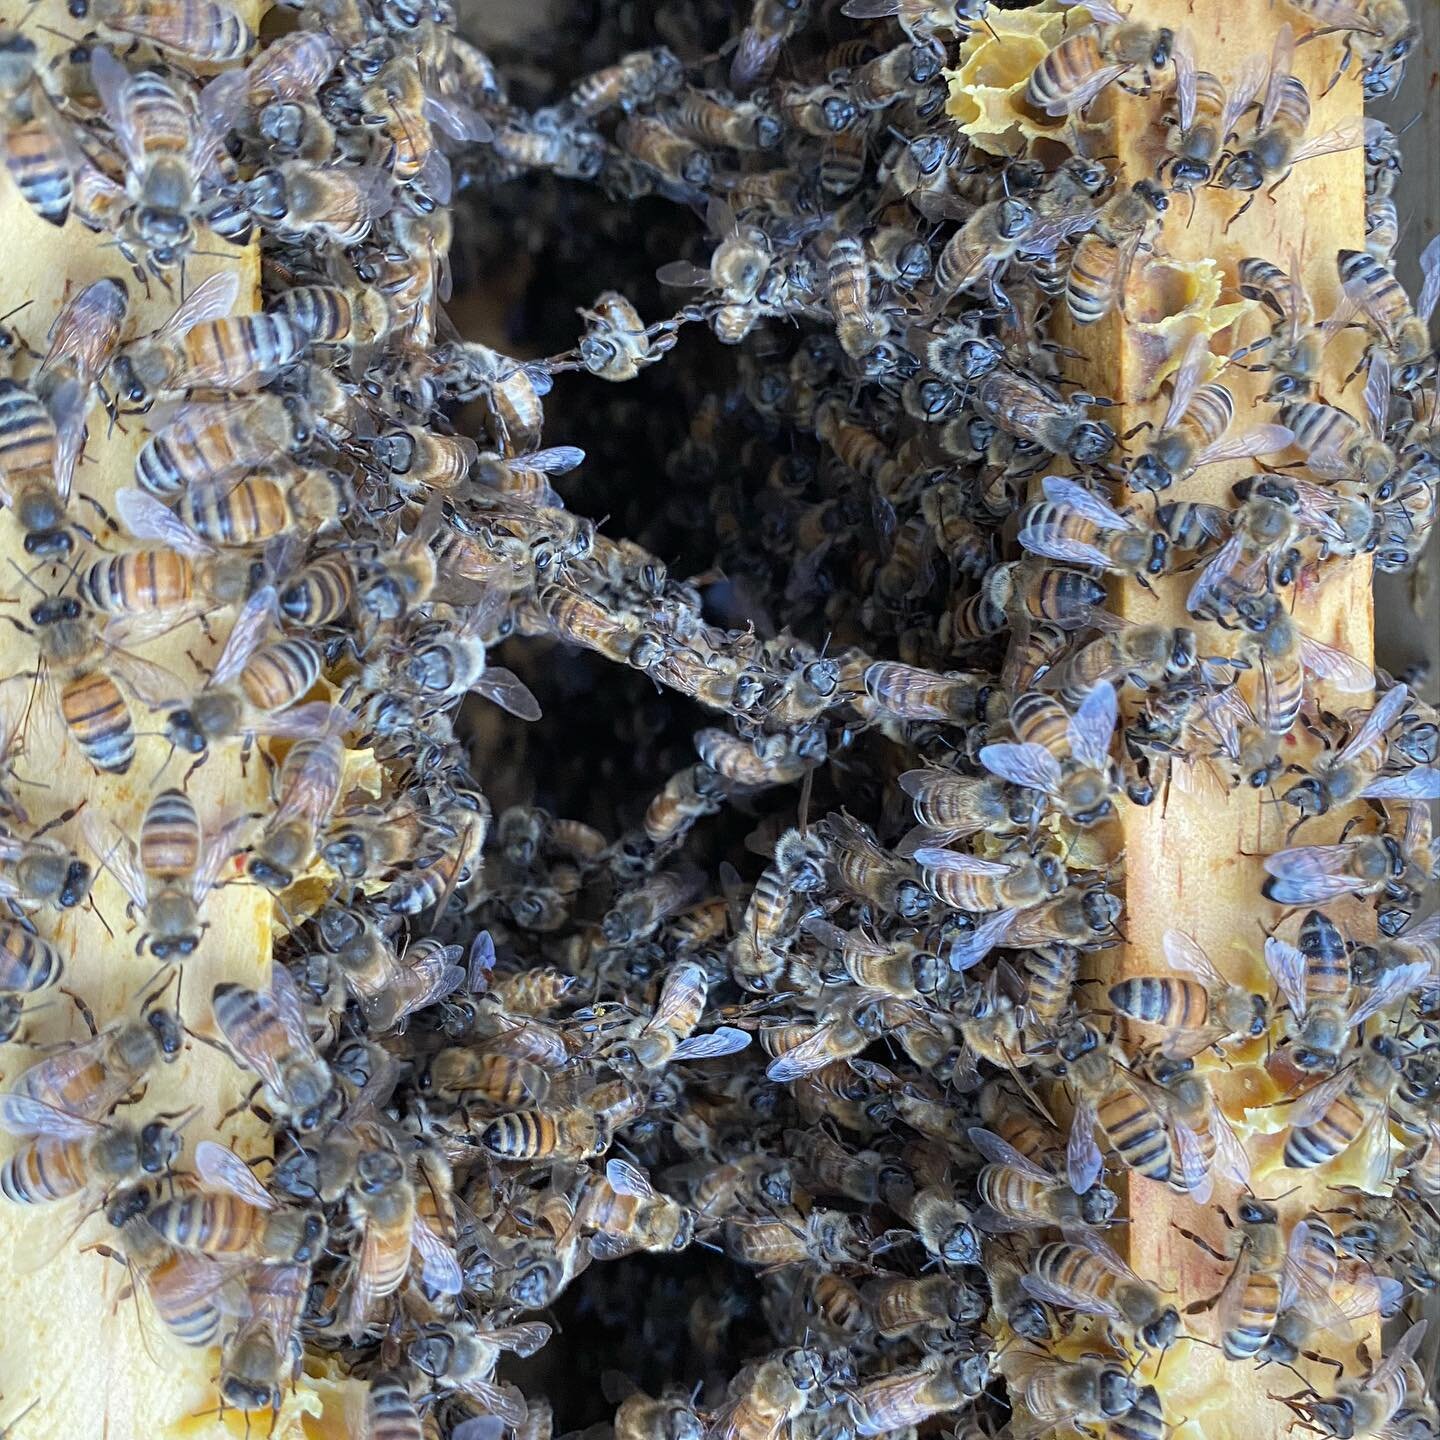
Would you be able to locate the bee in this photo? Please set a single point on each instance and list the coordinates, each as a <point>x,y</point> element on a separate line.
<point>203,347</point>
<point>979,251</point>
<point>35,874</point>
<point>1076,526</point>
<point>334,203</point>
<point>1196,1009</point>
<point>967,882</point>
<point>262,1356</point>
<point>899,1306</point>
<point>89,1079</point>
<point>709,118</point>
<point>168,135</point>
<point>205,32</point>
<point>39,152</point>
<point>1381,34</point>
<point>1083,64</point>
<point>546,142</point>
<point>669,154</point>
<point>633,81</point>
<point>1065,757</point>
<point>880,81</point>
<point>1057,1393</point>
<point>1294,348</point>
<point>1403,330</point>
<point>1278,141</point>
<point>304,791</point>
<point>462,1357</point>
<point>923,21</point>
<point>390,986</point>
<point>266,1030</point>
<point>352,315</point>
<point>1193,431</point>
<point>1017,1193</point>
<point>771,24</point>
<point>910,693</point>
<point>461,829</point>
<point>617,345</point>
<point>1340,447</point>
<point>40,445</point>
<point>950,807</point>
<point>847,1030</point>
<point>942,1383</point>
<point>390,1413</point>
<point>568,1135</point>
<point>1100,266</point>
<point>858,323</point>
<point>1084,1274</point>
<point>1108,1095</point>
<point>1315,979</point>
<point>767,760</point>
<point>28,963</point>
<point>1315,874</point>
<point>65,1154</point>
<point>638,913</point>
<point>513,392</point>
<point>1027,408</point>
<point>868,871</point>
<point>667,1036</point>
<point>1205,116</point>
<point>1345,1110</point>
<point>624,1214</point>
<point>1360,1409</point>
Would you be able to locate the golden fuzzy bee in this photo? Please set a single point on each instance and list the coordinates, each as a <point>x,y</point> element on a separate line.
<point>1059,1392</point>
<point>1197,1008</point>
<point>1078,527</point>
<point>1088,60</point>
<point>1206,112</point>
<point>623,1213</point>
<point>306,788</point>
<point>1100,265</point>
<point>967,882</point>
<point>942,1383</point>
<point>332,203</point>
<point>1018,1193</point>
<point>462,1357</point>
<point>667,1035</point>
<point>1084,1274</point>
<point>37,149</point>
<point>1402,330</point>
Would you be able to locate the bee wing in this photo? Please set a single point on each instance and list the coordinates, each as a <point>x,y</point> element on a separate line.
<point>147,519</point>
<point>370,1264</point>
<point>116,852</point>
<point>1184,81</point>
<point>457,119</point>
<point>1083,1160</point>
<point>1062,491</point>
<point>1282,60</point>
<point>1187,378</point>
<point>1319,1098</point>
<point>112,83</point>
<point>1421,783</point>
<point>509,692</point>
<point>522,1340</point>
<point>1231,1160</point>
<point>246,636</point>
<point>1430,285</point>
<point>438,1265</point>
<point>221,1169</point>
<point>68,405</point>
<point>725,1040</point>
<point>870,9</point>
<point>626,1179</point>
<point>810,1054</point>
<point>553,461</point>
<point>502,1402</point>
<point>1031,766</point>
<point>683,275</point>
<point>974,947</point>
<point>1403,1351</point>
<point>158,687</point>
<point>957,863</point>
<point>1081,96</point>
<point>213,298</point>
<point>1287,968</point>
<point>1348,135</point>
<point>1063,548</point>
<point>1339,667</point>
<point>1383,715</point>
<point>25,1115</point>
<point>1001,1152</point>
<point>480,1427</point>
<point>1377,394</point>
<point>47,1080</point>
<point>1218,570</point>
<point>1092,725</point>
<point>1394,985</point>
<point>291,1009</point>
<point>1243,89</point>
<point>319,717</point>
<point>481,963</point>
<point>1229,1304</point>
<point>1185,953</point>
<point>1262,440</point>
<point>434,978</point>
<point>1194,1167</point>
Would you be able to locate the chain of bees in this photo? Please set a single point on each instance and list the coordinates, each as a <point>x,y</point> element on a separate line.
<point>503,1049</point>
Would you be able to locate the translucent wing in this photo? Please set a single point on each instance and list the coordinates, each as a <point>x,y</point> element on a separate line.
<point>1430,285</point>
<point>958,864</point>
<point>116,852</point>
<point>1243,89</point>
<point>1231,1159</point>
<point>1064,548</point>
<point>47,1080</point>
<point>1400,1355</point>
<point>810,1054</point>
<point>1092,725</point>
<point>1083,1160</point>
<point>1185,953</point>
<point>1262,440</point>
<point>1229,1304</point>
<point>112,84</point>
<point>1421,783</point>
<point>24,1115</point>
<point>625,1179</point>
<point>1187,380</point>
<point>1001,1152</point>
<point>1184,82</point>
<point>481,963</point>
<point>725,1040</point>
<point>1287,968</point>
<point>1031,766</point>
<point>147,681</point>
<point>438,1265</point>
<point>509,692</point>
<point>1282,60</point>
<point>682,274</point>
<point>213,298</point>
<point>1081,95</point>
<point>251,627</point>
<point>973,948</point>
<point>1377,394</point>
<point>1393,986</point>
<point>457,119</point>
<point>1194,1168</point>
<point>221,1169</point>
<point>147,519</point>
<point>290,1008</point>
<point>1339,667</point>
<point>1319,1098</point>
<point>1348,135</point>
<point>504,1403</point>
<point>1061,491</point>
<point>522,1340</point>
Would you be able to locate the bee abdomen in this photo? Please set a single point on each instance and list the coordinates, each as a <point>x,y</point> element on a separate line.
<point>99,720</point>
<point>1259,1305</point>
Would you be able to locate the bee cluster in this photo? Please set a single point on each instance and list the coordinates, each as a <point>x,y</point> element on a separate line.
<point>806,999</point>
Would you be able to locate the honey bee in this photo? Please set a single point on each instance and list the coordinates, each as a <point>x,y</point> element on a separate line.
<point>713,119</point>
<point>67,1155</point>
<point>207,32</point>
<point>1057,1393</point>
<point>1193,431</point>
<point>950,807</point>
<point>923,21</point>
<point>1027,408</point>
<point>462,1357</point>
<point>858,323</point>
<point>899,1306</point>
<point>1294,346</point>
<point>28,963</point>
<point>633,81</point>
<point>263,1354</point>
<point>1196,1009</point>
<point>1100,266</point>
<point>942,1383</point>
<point>980,250</point>
<point>624,1214</point>
<point>40,444</point>
<point>967,882</point>
<point>390,1413</point>
<point>267,1032</point>
<point>1084,1274</point>
<point>305,790</point>
<point>1083,64</point>
<point>1017,1193</point>
<point>566,1135</point>
<point>1205,115</point>
<point>1361,1409</point>
<point>1345,1110</point>
<point>1381,34</point>
<point>338,204</point>
<point>1315,979</point>
<point>771,24</point>
<point>1315,874</point>
<point>910,693</point>
<point>1278,141</point>
<point>38,151</point>
<point>1402,330</point>
<point>1064,757</point>
<point>667,1036</point>
<point>1078,527</point>
<point>37,873</point>
<point>391,986</point>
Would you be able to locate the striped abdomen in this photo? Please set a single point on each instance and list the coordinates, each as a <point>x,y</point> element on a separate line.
<point>99,722</point>
<point>46,1169</point>
<point>521,1135</point>
<point>209,1223</point>
<point>240,352</point>
<point>1137,1133</point>
<point>390,1413</point>
<point>40,169</point>
<point>139,581</point>
<point>278,675</point>
<point>1162,1000</point>
<point>320,594</point>
<point>1255,1316</point>
<point>27,432</point>
<point>250,512</point>
<point>1040,719</point>
<point>170,840</point>
<point>1335,1131</point>
<point>27,963</point>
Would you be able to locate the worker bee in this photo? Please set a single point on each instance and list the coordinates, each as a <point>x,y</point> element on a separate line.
<point>391,986</point>
<point>1295,344</point>
<point>1079,527</point>
<point>1315,874</point>
<point>1362,1409</point>
<point>305,790</point>
<point>709,118</point>
<point>65,1154</point>
<point>942,1383</point>
<point>980,250</point>
<point>623,1213</point>
<point>771,24</point>
<point>1403,330</point>
<point>1100,265</point>
<point>617,345</point>
<point>338,204</point>
<point>462,1357</point>
<point>1088,60</point>
<point>969,883</point>
<point>1205,115</point>
<point>923,21</point>
<point>1277,143</point>
<point>263,1354</point>
<point>205,32</point>
<point>1345,1110</point>
<point>1193,431</point>
<point>38,151</point>
<point>667,1036</point>
<point>41,441</point>
<point>1382,34</point>
<point>267,1032</point>
<point>1064,757</point>
<point>28,963</point>
<point>1019,1194</point>
<point>1027,408</point>
<point>1315,979</point>
<point>1084,1274</point>
<point>1059,1392</point>
<point>633,81</point>
<point>1196,1009</point>
<point>1340,447</point>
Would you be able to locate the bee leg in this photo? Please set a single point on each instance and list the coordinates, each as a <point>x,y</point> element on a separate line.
<point>86,1013</point>
<point>243,1104</point>
<point>1238,214</point>
<point>1324,1360</point>
<point>1208,1248</point>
